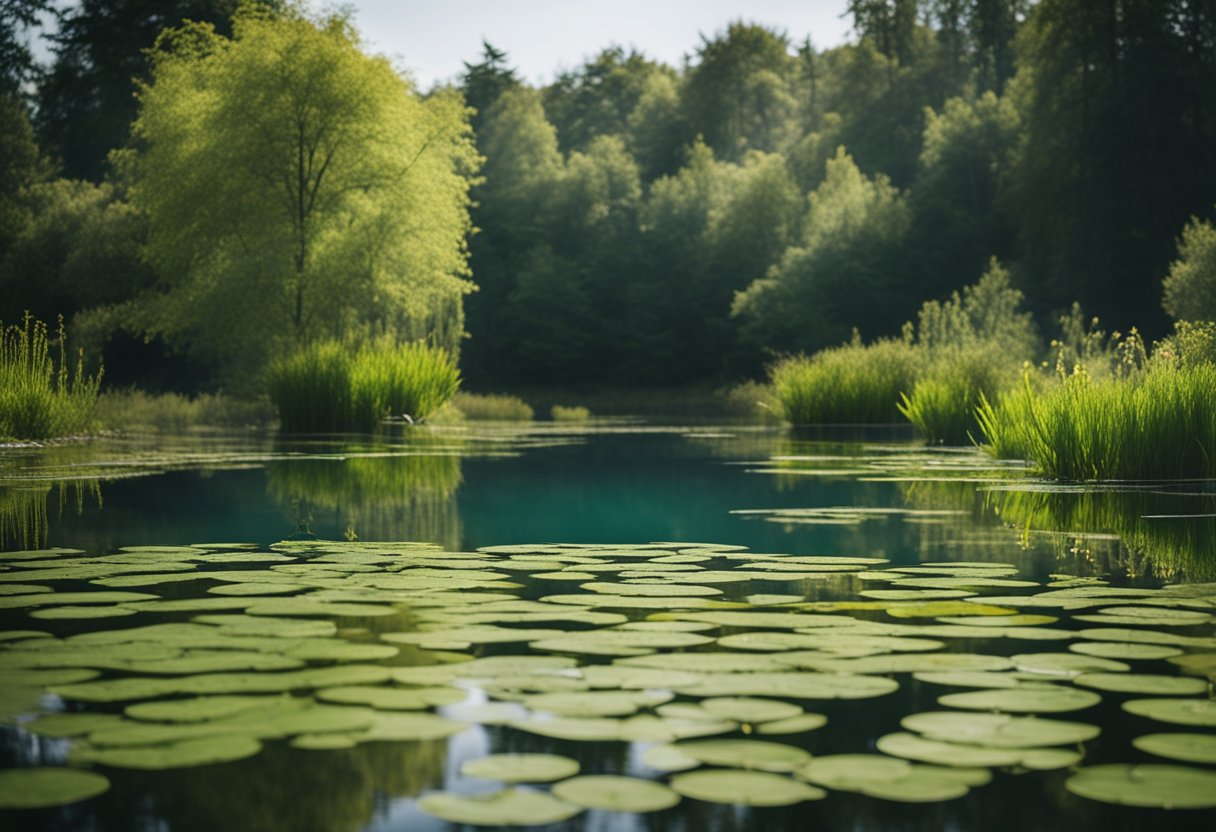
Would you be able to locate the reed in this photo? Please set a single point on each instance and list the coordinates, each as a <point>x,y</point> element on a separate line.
<point>576,413</point>
<point>39,396</point>
<point>493,407</point>
<point>850,384</point>
<point>329,387</point>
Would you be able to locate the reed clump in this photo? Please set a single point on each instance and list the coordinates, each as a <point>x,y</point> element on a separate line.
<point>493,407</point>
<point>576,413</point>
<point>39,396</point>
<point>330,386</point>
<point>851,384</point>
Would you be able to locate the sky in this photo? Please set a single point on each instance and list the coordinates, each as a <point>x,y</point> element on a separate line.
<point>432,38</point>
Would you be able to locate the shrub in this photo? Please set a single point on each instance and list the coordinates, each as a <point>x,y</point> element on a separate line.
<point>324,388</point>
<point>849,384</point>
<point>493,407</point>
<point>40,398</point>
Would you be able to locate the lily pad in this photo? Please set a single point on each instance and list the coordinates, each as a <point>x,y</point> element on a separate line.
<point>611,793</point>
<point>744,788</point>
<point>998,730</point>
<point>1177,711</point>
<point>668,758</point>
<point>888,778</point>
<point>748,709</point>
<point>792,725</point>
<point>1023,700</point>
<point>595,703</point>
<point>183,754</point>
<point>1123,650</point>
<point>510,807</point>
<point>1190,748</point>
<point>1156,786</point>
<point>41,788</point>
<point>61,726</point>
<point>791,685</point>
<point>748,754</point>
<point>521,768</point>
<point>1067,664</point>
<point>393,699</point>
<point>1145,683</point>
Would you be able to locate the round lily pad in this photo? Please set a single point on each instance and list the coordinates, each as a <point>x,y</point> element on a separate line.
<point>616,794</point>
<point>1123,650</point>
<point>521,768</point>
<point>41,788</point>
<point>1177,711</point>
<point>749,709</point>
<point>939,752</point>
<point>998,730</point>
<point>1023,700</point>
<point>793,685</point>
<point>1156,786</point>
<point>745,788</point>
<point>668,758</point>
<point>749,754</point>
<point>393,699</point>
<point>59,726</point>
<point>1066,664</point>
<point>510,807</point>
<point>1190,748</point>
<point>851,772</point>
<point>889,778</point>
<point>595,703</point>
<point>200,751</point>
<point>792,725</point>
<point>1146,683</point>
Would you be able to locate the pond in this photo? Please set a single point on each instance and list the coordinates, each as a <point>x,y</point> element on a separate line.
<point>613,626</point>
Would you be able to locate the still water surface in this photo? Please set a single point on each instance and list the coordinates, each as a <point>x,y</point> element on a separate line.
<point>875,495</point>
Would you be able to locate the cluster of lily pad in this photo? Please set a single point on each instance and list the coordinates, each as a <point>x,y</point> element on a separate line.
<point>680,646</point>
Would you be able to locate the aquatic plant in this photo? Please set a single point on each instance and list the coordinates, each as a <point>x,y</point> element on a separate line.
<point>852,384</point>
<point>561,413</point>
<point>1159,423</point>
<point>328,386</point>
<point>493,407</point>
<point>40,397</point>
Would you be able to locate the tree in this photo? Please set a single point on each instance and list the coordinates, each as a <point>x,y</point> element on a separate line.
<point>86,100</point>
<point>295,188</point>
<point>484,83</point>
<point>17,65</point>
<point>598,98</point>
<point>1190,286</point>
<point>845,273</point>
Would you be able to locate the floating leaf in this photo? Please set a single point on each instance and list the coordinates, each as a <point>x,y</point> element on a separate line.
<point>611,793</point>
<point>998,730</point>
<point>791,685</point>
<point>1177,711</point>
<point>668,758</point>
<point>41,788</point>
<point>748,754</point>
<point>745,788</point>
<point>521,768</point>
<point>61,726</point>
<point>511,807</point>
<point>1023,700</point>
<point>1145,683</point>
<point>183,754</point>
<point>393,699</point>
<point>1190,748</point>
<point>888,778</point>
<point>1157,786</point>
<point>1123,650</point>
<point>1066,664</point>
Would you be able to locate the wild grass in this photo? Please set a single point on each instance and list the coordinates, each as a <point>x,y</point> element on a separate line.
<point>850,384</point>
<point>493,407</point>
<point>39,396</point>
<point>330,387</point>
<point>136,409</point>
<point>561,413</point>
<point>1159,423</point>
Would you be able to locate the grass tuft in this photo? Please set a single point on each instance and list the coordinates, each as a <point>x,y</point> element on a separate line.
<point>39,397</point>
<point>559,413</point>
<point>850,384</point>
<point>493,407</point>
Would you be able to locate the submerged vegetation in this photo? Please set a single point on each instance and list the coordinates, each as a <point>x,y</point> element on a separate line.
<point>39,396</point>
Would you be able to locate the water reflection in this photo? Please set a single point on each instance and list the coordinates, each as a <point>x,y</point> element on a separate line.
<point>1165,531</point>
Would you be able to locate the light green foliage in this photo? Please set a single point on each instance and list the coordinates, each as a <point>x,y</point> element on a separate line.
<point>1158,423</point>
<point>295,187</point>
<point>1190,286</point>
<point>330,386</point>
<point>842,266</point>
<point>39,396</point>
<point>130,409</point>
<point>558,413</point>
<point>493,406</point>
<point>854,383</point>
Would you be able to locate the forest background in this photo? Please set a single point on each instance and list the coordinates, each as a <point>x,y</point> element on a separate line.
<point>630,224</point>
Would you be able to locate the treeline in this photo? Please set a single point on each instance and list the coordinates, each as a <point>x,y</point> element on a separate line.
<point>636,223</point>
<point>644,223</point>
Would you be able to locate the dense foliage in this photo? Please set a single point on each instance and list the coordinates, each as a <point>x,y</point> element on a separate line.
<point>632,223</point>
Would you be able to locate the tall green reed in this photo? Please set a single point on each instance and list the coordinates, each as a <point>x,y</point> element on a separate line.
<point>40,397</point>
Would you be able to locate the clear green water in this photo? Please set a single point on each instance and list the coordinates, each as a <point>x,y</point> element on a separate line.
<point>619,484</point>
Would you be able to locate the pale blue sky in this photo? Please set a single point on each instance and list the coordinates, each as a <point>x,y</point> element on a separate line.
<point>432,38</point>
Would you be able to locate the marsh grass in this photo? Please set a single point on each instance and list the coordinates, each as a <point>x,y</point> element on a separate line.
<point>852,384</point>
<point>39,397</point>
<point>1159,423</point>
<point>576,413</point>
<point>330,387</point>
<point>136,409</point>
<point>493,407</point>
